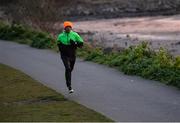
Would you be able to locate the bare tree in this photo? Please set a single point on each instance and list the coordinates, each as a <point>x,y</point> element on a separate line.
<point>37,13</point>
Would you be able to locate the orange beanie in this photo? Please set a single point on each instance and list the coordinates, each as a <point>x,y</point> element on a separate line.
<point>68,23</point>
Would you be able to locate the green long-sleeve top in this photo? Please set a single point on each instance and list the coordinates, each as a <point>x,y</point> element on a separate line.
<point>68,42</point>
<point>65,38</point>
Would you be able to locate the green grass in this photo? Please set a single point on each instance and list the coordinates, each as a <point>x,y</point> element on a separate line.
<point>24,99</point>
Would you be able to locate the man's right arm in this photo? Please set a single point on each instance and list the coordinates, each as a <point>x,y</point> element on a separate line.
<point>58,42</point>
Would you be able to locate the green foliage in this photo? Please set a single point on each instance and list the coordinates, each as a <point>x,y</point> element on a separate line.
<point>41,40</point>
<point>25,35</point>
<point>139,60</point>
<point>177,62</point>
<point>94,55</point>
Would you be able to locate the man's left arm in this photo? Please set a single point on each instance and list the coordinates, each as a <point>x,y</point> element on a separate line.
<point>79,41</point>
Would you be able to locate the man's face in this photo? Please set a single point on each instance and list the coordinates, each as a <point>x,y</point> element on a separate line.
<point>67,29</point>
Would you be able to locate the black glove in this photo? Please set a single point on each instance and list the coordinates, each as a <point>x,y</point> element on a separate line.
<point>73,43</point>
<point>58,44</point>
<point>76,44</point>
<point>79,44</point>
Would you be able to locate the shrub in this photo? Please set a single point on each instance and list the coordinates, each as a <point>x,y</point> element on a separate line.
<point>94,54</point>
<point>41,40</point>
<point>140,60</point>
<point>26,35</point>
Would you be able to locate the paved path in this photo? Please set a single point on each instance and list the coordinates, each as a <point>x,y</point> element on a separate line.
<point>120,97</point>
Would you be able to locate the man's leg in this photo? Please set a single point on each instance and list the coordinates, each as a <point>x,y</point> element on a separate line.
<point>72,62</point>
<point>67,65</point>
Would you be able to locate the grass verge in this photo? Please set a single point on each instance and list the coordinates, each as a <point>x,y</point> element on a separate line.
<point>24,99</point>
